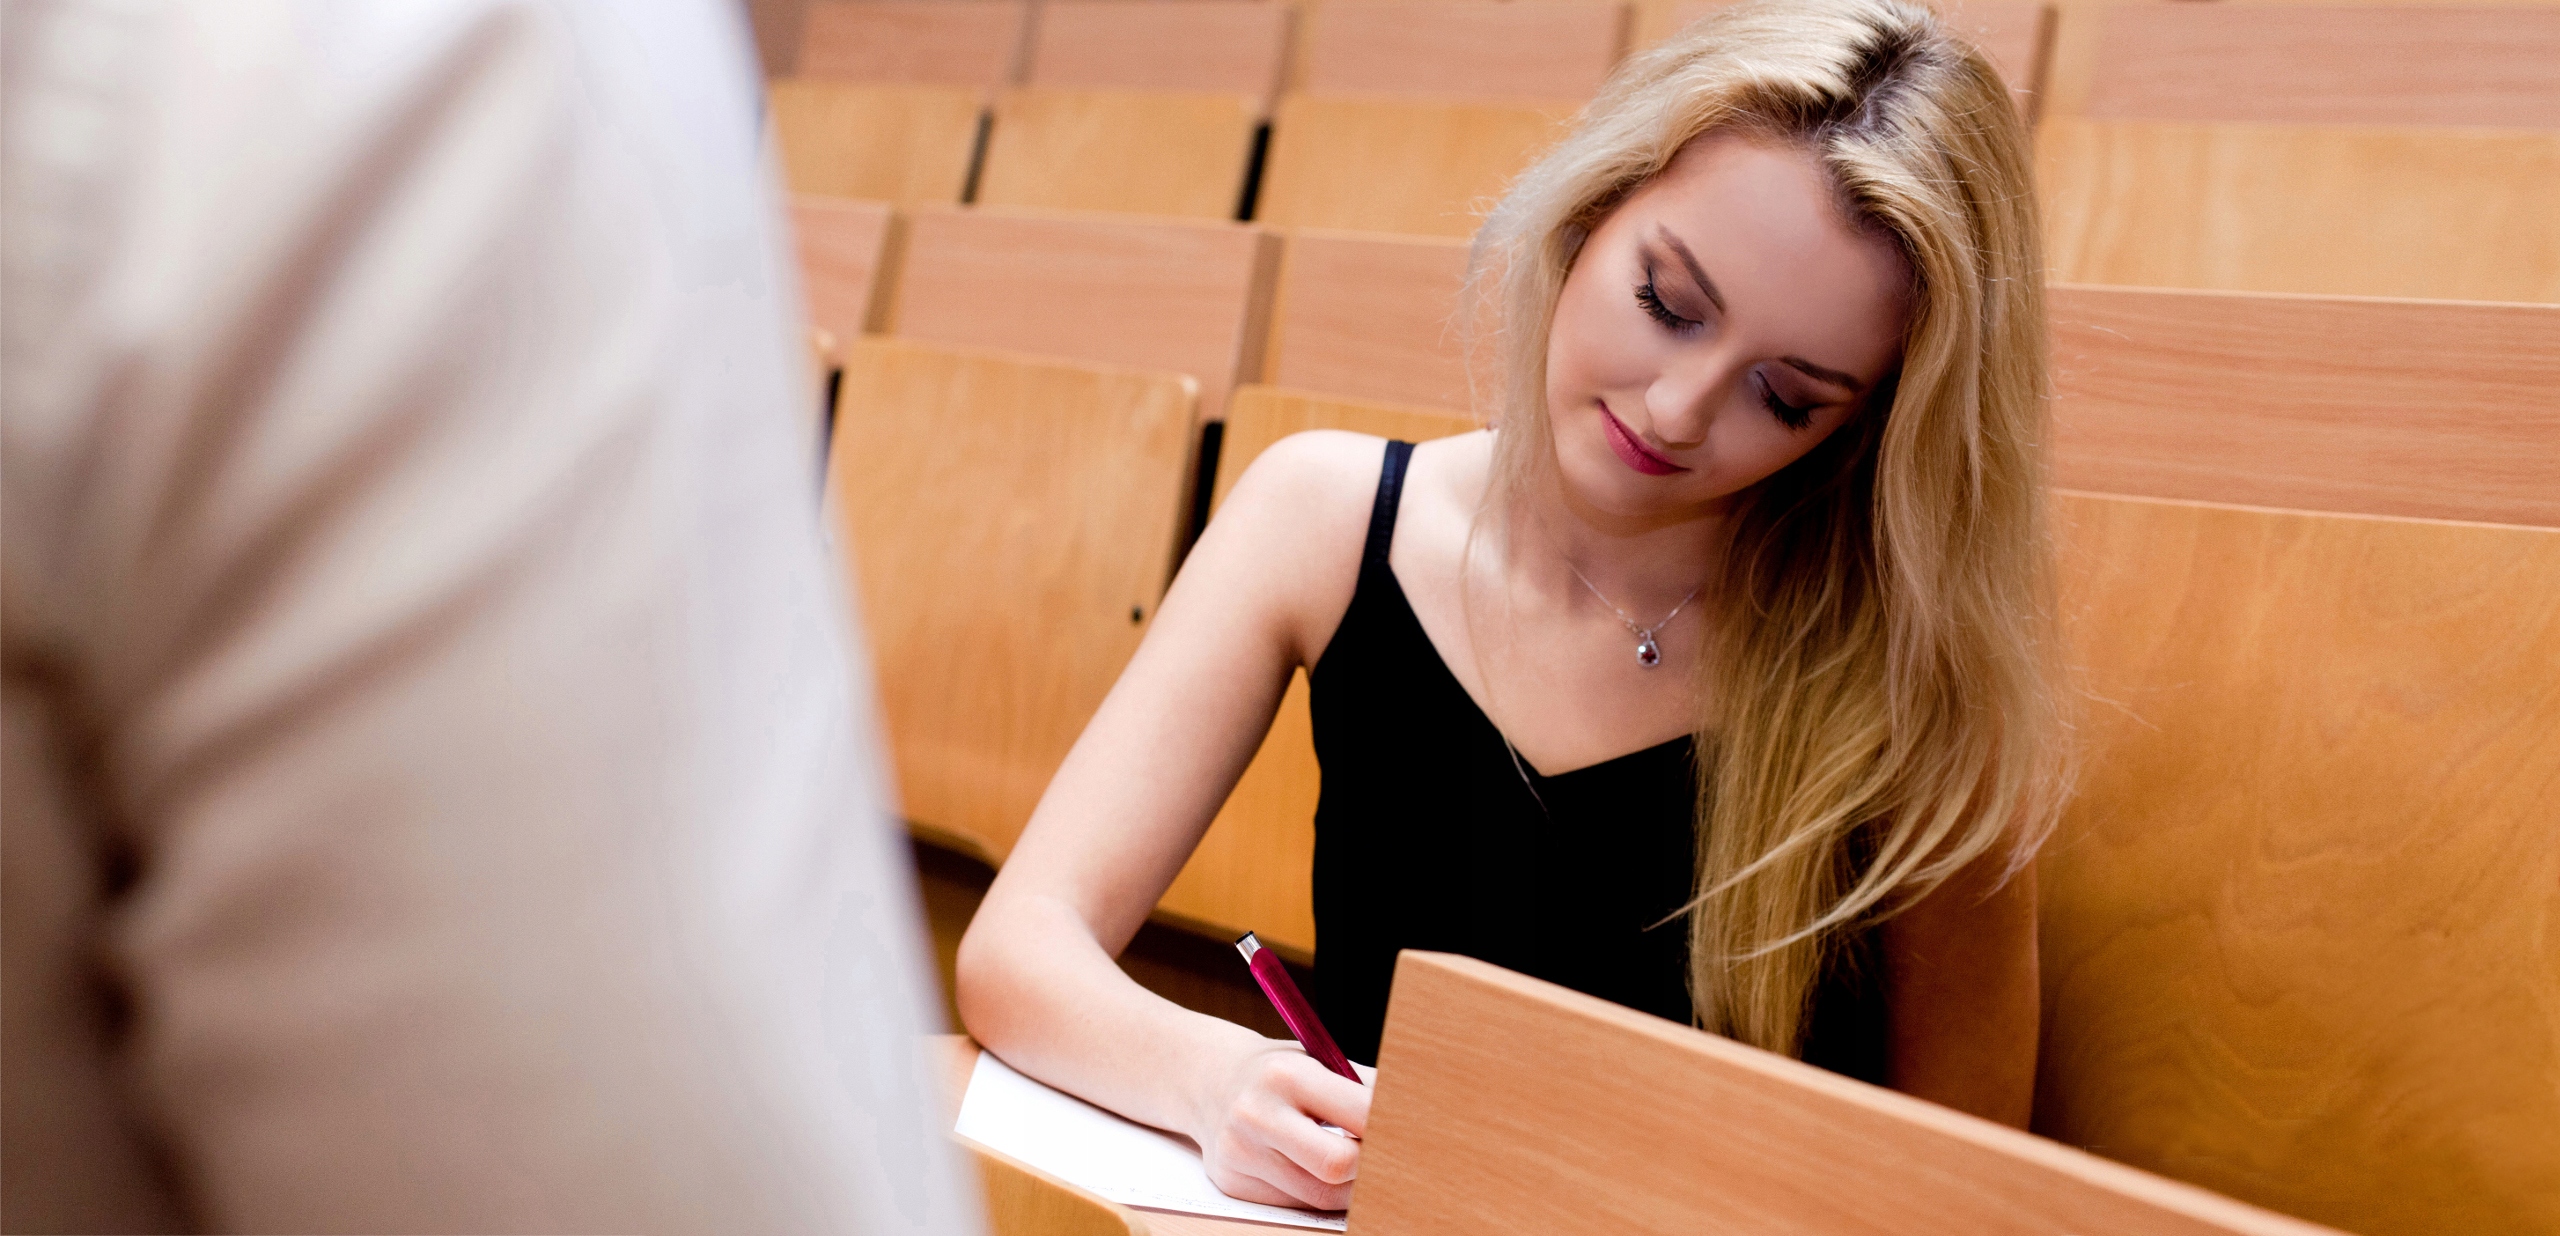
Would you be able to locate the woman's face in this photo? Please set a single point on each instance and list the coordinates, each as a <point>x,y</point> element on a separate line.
<point>1720,323</point>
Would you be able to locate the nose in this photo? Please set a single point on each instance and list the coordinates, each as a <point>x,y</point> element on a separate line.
<point>1683,399</point>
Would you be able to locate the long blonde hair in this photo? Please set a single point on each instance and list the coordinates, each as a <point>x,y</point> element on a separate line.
<point>1880,709</point>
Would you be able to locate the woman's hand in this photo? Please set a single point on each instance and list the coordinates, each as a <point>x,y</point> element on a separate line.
<point>1260,1135</point>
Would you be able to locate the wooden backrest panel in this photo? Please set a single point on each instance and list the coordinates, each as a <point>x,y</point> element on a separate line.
<point>969,43</point>
<point>1523,49</point>
<point>1008,521</point>
<point>1370,316</point>
<point>842,244</point>
<point>1158,294</point>
<point>1183,155</point>
<point>899,144</point>
<point>2447,214</point>
<point>2016,36</point>
<point>1250,871</point>
<point>2431,409</point>
<point>1196,47</point>
<point>2328,64</point>
<point>1398,165</point>
<point>1506,1104</point>
<point>1022,1200</point>
<point>2297,926</point>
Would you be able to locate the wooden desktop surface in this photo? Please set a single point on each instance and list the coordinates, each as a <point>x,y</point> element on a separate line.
<point>960,1054</point>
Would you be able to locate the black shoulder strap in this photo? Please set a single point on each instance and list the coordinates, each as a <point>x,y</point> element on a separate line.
<point>1382,514</point>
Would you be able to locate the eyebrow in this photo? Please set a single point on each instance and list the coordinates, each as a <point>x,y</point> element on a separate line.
<point>1819,373</point>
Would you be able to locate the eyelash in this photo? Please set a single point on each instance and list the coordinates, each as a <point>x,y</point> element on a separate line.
<point>1788,414</point>
<point>1659,312</point>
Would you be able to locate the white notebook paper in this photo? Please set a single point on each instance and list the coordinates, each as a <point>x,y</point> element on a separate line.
<point>1120,1159</point>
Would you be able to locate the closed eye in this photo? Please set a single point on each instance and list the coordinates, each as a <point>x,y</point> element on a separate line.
<point>1788,414</point>
<point>1659,312</point>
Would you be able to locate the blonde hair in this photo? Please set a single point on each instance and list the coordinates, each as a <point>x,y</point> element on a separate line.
<point>1880,709</point>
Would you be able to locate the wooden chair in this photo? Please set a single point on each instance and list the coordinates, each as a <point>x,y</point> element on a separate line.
<point>1398,165</point>
<point>899,144</point>
<point>2449,214</point>
<point>2323,64</point>
<point>1196,47</point>
<point>1250,871</point>
<point>843,246</point>
<point>1145,152</point>
<point>1008,523</point>
<point>1538,50</point>
<point>1506,1104</point>
<point>2297,925</point>
<point>1368,316</point>
<point>1159,294</point>
<point>2016,36</point>
<point>2429,409</point>
<point>974,44</point>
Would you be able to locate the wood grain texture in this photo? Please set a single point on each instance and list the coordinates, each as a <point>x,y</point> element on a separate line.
<point>901,144</point>
<point>1506,1104</point>
<point>1141,152</point>
<point>1251,870</point>
<point>1398,165</point>
<point>2301,927</point>
<point>1198,47</point>
<point>975,44</point>
<point>842,244</point>
<point>1369,316</point>
<point>2446,214</point>
<point>1190,297</point>
<point>2431,409</point>
<point>2336,64</point>
<point>1536,50</point>
<point>1007,523</point>
<point>2016,36</point>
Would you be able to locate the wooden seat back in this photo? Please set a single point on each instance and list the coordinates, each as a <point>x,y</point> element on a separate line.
<point>1507,1104</point>
<point>1250,871</point>
<point>2429,409</point>
<point>1142,152</point>
<point>1538,50</point>
<point>1189,297</point>
<point>973,44</point>
<point>2016,36</point>
<point>2448,214</point>
<point>1237,47</point>
<point>2328,64</point>
<point>843,247</point>
<point>1398,165</point>
<point>1007,522</point>
<point>900,144</point>
<point>2297,924</point>
<point>1370,316</point>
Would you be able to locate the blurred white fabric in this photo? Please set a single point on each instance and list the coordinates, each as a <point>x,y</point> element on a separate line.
<point>438,795</point>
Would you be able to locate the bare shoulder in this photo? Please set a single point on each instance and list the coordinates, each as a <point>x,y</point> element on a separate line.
<point>1291,530</point>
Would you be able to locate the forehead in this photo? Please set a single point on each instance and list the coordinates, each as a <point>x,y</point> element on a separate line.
<point>1766,220</point>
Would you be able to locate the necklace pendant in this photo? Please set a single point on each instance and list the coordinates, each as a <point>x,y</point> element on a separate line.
<point>1648,653</point>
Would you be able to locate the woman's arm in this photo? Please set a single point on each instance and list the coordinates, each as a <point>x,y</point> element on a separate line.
<point>1258,597</point>
<point>1960,973</point>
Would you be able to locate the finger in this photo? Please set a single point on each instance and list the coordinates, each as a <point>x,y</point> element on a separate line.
<point>1274,1169</point>
<point>1328,1158</point>
<point>1247,1187</point>
<point>1330,1097</point>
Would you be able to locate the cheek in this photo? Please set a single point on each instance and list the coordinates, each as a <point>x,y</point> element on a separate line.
<point>1589,348</point>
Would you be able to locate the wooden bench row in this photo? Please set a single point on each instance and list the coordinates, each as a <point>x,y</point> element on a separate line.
<point>2295,925</point>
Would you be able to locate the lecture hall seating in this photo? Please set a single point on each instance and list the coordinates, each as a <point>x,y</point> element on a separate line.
<point>1416,166</point>
<point>973,44</point>
<point>1194,47</point>
<point>2296,925</point>
<point>1008,522</point>
<point>1140,152</point>
<point>2329,64</point>
<point>898,144</point>
<point>1535,50</point>
<point>1370,316</point>
<point>1189,297</point>
<point>1250,871</point>
<point>842,245</point>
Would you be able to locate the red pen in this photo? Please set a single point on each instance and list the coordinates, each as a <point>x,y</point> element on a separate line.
<point>1294,1009</point>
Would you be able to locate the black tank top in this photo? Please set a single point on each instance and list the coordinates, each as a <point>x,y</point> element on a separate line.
<point>1430,835</point>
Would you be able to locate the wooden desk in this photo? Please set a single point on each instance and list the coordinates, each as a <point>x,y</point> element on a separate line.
<point>960,1055</point>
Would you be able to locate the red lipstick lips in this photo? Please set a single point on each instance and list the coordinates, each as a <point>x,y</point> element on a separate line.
<point>1632,452</point>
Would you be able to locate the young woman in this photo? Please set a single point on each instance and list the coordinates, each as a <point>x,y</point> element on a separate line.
<point>1711,680</point>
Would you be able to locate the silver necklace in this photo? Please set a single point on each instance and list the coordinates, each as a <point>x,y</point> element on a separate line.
<point>1648,653</point>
